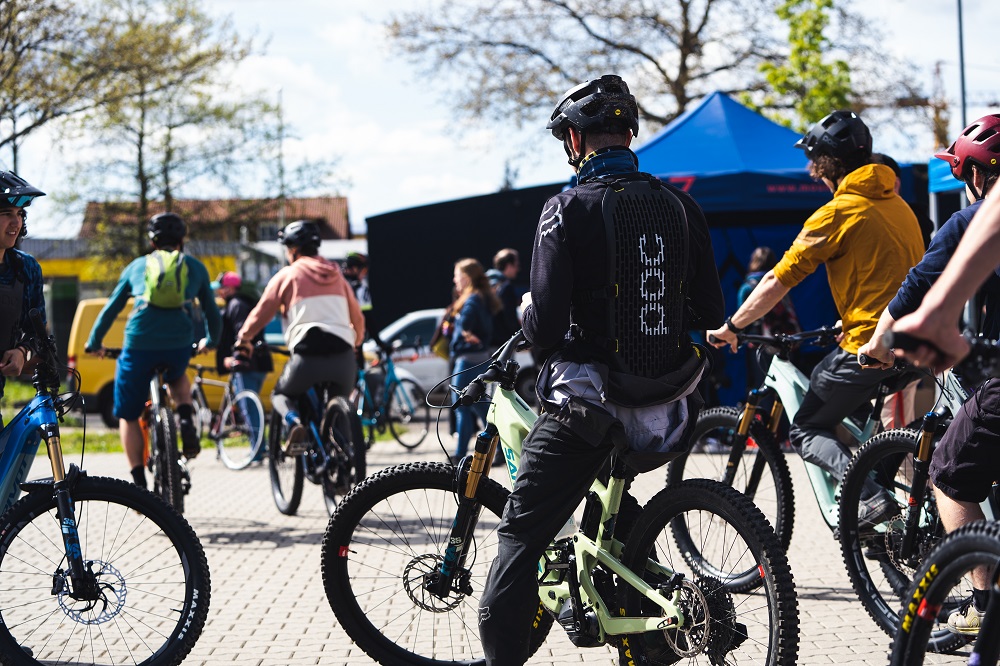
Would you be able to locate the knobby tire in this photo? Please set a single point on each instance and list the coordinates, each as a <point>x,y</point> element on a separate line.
<point>385,534</point>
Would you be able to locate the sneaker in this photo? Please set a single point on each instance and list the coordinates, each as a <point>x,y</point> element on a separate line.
<point>296,443</point>
<point>876,510</point>
<point>966,620</point>
<point>189,438</point>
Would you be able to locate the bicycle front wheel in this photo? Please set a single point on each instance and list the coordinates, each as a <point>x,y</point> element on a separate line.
<point>761,473</point>
<point>344,443</point>
<point>151,589</point>
<point>389,533</point>
<point>720,624</point>
<point>287,473</point>
<point>165,460</point>
<point>943,577</point>
<point>241,430</point>
<point>879,573</point>
<point>408,414</point>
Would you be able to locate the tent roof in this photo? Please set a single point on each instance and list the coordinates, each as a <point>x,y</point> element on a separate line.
<point>940,179</point>
<point>721,136</point>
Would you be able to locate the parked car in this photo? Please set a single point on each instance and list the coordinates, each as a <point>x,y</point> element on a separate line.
<point>97,375</point>
<point>413,332</point>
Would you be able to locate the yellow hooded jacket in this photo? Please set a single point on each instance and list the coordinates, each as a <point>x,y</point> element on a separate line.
<point>868,238</point>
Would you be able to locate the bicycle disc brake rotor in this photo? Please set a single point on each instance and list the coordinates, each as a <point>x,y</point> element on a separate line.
<point>109,601</point>
<point>690,638</point>
<point>414,576</point>
<point>924,543</point>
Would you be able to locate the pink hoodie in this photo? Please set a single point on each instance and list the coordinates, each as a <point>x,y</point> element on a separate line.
<point>310,292</point>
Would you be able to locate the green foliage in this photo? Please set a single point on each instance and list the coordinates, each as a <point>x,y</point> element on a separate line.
<point>808,81</point>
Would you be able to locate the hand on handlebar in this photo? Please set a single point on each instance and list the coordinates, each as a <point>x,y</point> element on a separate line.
<point>99,352</point>
<point>721,337</point>
<point>943,345</point>
<point>12,362</point>
<point>876,356</point>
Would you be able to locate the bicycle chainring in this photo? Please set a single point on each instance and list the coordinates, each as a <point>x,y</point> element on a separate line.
<point>925,541</point>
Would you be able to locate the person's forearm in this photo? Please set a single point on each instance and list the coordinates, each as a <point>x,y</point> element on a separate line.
<point>973,261</point>
<point>884,324</point>
<point>765,296</point>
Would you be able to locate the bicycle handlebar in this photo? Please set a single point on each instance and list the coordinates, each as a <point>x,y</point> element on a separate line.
<point>786,341</point>
<point>498,363</point>
<point>982,362</point>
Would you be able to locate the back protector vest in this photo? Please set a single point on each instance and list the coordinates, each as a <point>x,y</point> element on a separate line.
<point>646,233</point>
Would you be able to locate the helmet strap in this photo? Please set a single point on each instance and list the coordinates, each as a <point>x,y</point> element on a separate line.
<point>573,160</point>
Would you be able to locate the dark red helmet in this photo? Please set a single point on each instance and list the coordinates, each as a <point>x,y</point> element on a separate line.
<point>979,144</point>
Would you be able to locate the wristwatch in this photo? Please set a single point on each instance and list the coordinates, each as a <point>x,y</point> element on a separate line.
<point>732,327</point>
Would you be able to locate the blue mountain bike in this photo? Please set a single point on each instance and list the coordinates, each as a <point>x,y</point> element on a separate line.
<point>92,569</point>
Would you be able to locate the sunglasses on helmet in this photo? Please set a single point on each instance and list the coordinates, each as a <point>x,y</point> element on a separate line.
<point>19,202</point>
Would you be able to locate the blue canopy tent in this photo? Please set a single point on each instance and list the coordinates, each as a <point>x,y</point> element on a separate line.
<point>752,183</point>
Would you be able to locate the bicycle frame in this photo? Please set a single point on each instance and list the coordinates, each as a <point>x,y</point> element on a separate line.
<point>790,385</point>
<point>390,381</point>
<point>19,441</point>
<point>509,421</point>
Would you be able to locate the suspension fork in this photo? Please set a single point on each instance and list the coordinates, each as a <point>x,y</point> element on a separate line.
<point>470,473</point>
<point>918,485</point>
<point>754,398</point>
<point>83,579</point>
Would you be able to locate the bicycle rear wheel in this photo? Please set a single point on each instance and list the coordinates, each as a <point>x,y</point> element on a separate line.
<point>761,473</point>
<point>344,443</point>
<point>943,578</point>
<point>152,580</point>
<point>408,414</point>
<point>241,430</point>
<point>386,535</point>
<point>202,412</point>
<point>721,625</point>
<point>165,460</point>
<point>879,575</point>
<point>286,472</point>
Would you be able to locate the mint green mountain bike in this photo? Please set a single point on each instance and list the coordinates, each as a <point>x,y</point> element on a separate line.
<point>701,576</point>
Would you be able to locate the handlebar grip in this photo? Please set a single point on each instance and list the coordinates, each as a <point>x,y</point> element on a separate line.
<point>472,393</point>
<point>864,360</point>
<point>712,339</point>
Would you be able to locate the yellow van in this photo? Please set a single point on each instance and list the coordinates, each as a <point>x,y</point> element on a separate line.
<point>97,375</point>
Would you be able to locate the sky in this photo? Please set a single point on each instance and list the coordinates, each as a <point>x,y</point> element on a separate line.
<point>347,95</point>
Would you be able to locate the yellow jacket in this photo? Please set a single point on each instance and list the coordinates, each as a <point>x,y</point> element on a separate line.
<point>868,238</point>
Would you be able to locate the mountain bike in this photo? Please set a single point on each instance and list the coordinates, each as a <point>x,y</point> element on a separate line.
<point>701,575</point>
<point>237,427</point>
<point>739,447</point>
<point>171,478</point>
<point>92,569</point>
<point>335,457</point>
<point>383,400</point>
<point>881,559</point>
<point>942,581</point>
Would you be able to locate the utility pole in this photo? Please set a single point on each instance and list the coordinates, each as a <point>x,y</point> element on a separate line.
<point>961,63</point>
<point>281,163</point>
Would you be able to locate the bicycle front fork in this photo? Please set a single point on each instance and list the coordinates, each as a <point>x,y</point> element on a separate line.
<point>83,580</point>
<point>441,581</point>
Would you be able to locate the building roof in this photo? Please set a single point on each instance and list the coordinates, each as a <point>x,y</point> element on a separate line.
<point>330,212</point>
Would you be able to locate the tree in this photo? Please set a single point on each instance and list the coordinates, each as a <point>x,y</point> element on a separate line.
<point>50,66</point>
<point>513,57</point>
<point>510,59</point>
<point>176,121</point>
<point>807,81</point>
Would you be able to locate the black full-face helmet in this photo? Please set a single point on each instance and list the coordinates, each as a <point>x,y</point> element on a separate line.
<point>300,234</point>
<point>167,229</point>
<point>602,104</point>
<point>842,135</point>
<point>16,191</point>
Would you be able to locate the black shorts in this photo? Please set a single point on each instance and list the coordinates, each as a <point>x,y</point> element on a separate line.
<point>966,461</point>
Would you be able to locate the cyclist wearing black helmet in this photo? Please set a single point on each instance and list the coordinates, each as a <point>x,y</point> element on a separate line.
<point>322,323</point>
<point>868,238</point>
<point>611,317</point>
<point>160,330</point>
<point>20,276</point>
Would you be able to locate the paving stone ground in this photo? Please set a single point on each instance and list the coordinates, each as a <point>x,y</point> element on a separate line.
<point>268,606</point>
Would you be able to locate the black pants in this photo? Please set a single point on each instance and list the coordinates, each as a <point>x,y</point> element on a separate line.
<point>837,387</point>
<point>556,470</point>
